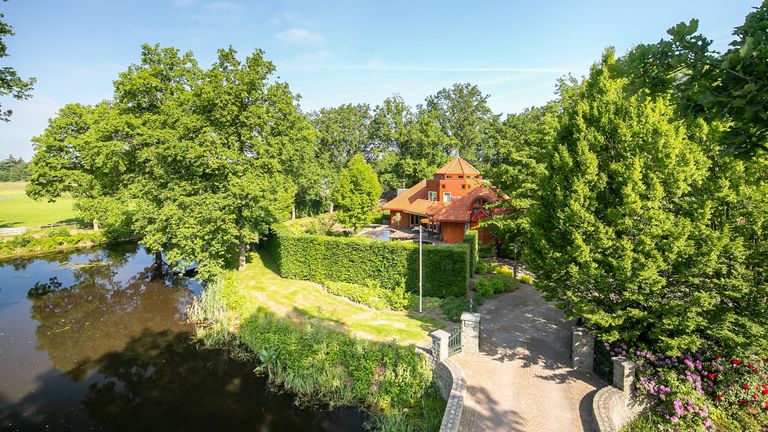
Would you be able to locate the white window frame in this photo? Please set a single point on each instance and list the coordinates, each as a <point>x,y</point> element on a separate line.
<point>432,195</point>
<point>448,195</point>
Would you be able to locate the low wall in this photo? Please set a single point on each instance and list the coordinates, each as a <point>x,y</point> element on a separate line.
<point>450,381</point>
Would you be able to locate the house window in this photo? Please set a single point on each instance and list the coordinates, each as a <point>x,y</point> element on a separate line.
<point>463,186</point>
<point>432,195</point>
<point>446,197</point>
<point>447,176</point>
<point>461,176</point>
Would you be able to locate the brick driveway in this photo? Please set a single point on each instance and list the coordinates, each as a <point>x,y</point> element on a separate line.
<point>522,380</point>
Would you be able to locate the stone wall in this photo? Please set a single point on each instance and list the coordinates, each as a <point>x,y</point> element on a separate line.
<point>450,381</point>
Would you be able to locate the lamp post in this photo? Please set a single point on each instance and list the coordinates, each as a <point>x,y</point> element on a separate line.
<point>421,297</point>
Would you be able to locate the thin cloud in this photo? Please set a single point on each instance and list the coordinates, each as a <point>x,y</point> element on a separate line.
<point>380,67</point>
<point>299,36</point>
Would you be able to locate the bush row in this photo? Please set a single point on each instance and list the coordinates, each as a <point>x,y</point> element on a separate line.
<point>471,240</point>
<point>358,260</point>
<point>371,294</point>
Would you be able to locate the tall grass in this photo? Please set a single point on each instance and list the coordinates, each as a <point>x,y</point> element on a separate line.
<point>320,364</point>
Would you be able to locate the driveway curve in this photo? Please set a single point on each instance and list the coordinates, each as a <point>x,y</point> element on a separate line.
<point>522,379</point>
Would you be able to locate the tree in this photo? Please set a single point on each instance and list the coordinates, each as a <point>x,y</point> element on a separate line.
<point>624,235</point>
<point>82,153</point>
<point>516,169</point>
<point>10,81</point>
<point>203,160</point>
<point>357,193</point>
<point>463,115</point>
<point>12,169</point>
<point>731,87</point>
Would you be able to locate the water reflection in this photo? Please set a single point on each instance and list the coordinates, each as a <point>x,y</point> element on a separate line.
<point>101,345</point>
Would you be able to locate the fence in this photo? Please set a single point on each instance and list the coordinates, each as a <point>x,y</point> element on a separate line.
<point>22,230</point>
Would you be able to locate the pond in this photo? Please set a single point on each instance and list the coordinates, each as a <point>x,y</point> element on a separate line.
<point>107,348</point>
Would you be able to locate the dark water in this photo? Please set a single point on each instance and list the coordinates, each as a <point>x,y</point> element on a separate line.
<point>107,349</point>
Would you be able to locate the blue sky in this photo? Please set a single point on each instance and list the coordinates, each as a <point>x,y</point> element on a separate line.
<point>338,52</point>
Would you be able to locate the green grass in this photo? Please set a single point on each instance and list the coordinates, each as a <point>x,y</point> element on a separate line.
<point>17,210</point>
<point>261,286</point>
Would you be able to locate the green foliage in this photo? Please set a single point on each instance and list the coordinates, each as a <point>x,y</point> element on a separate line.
<point>12,169</point>
<point>453,307</point>
<point>51,241</point>
<point>486,251</point>
<point>486,287</point>
<point>319,364</point>
<point>10,81</point>
<point>471,240</point>
<point>357,260</point>
<point>357,193</point>
<point>526,278</point>
<point>498,283</point>
<point>631,234</point>
<point>482,267</point>
<point>371,294</point>
<point>730,86</point>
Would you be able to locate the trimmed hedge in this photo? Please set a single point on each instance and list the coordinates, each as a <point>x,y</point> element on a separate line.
<point>359,259</point>
<point>471,240</point>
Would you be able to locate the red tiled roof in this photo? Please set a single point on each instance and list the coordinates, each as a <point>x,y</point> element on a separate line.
<point>458,165</point>
<point>460,208</point>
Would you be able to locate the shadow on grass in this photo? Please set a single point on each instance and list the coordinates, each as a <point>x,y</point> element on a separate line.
<point>6,224</point>
<point>427,321</point>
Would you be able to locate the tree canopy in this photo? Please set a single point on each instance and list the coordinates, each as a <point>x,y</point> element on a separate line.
<point>629,234</point>
<point>11,83</point>
<point>357,193</point>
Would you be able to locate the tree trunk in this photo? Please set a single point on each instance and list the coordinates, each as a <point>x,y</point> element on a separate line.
<point>157,269</point>
<point>95,224</point>
<point>241,255</point>
<point>293,212</point>
<point>331,208</point>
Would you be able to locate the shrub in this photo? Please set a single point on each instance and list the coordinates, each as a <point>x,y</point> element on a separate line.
<point>486,287</point>
<point>452,307</point>
<point>482,267</point>
<point>526,278</point>
<point>55,240</point>
<point>700,392</point>
<point>486,251</point>
<point>357,260</point>
<point>471,240</point>
<point>371,294</point>
<point>508,282</point>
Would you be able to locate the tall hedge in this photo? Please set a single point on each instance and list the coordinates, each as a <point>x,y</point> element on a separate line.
<point>358,259</point>
<point>471,240</point>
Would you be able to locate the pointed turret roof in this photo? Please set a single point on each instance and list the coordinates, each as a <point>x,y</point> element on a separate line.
<point>458,165</point>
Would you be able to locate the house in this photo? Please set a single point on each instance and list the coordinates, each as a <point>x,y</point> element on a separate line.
<point>452,202</point>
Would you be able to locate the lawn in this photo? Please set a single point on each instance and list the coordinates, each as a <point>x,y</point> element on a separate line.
<point>17,210</point>
<point>303,300</point>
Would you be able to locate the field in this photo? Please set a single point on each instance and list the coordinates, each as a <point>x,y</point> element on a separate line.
<point>17,210</point>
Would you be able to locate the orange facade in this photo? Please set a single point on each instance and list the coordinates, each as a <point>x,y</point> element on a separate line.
<point>453,232</point>
<point>446,204</point>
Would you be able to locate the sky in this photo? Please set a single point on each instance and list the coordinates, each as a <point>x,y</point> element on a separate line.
<point>337,52</point>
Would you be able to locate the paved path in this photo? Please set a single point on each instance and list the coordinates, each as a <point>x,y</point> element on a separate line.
<point>522,380</point>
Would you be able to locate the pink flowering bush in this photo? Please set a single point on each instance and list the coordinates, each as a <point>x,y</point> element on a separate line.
<point>700,392</point>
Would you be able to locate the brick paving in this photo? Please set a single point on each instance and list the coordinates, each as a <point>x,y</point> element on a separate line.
<point>522,379</point>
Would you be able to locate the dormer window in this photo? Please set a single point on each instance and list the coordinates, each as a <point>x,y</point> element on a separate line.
<point>446,197</point>
<point>432,195</point>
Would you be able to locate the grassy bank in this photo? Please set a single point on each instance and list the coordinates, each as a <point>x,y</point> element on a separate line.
<point>17,210</point>
<point>324,348</point>
<point>48,241</point>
